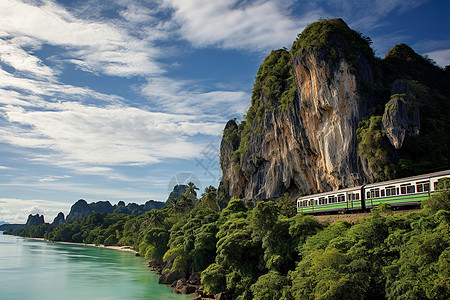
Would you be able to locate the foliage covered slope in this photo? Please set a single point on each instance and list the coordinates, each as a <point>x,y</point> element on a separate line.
<point>270,252</point>
<point>277,101</point>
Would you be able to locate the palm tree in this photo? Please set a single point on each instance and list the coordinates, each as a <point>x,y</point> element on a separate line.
<point>176,205</point>
<point>156,218</point>
<point>209,198</point>
<point>191,190</point>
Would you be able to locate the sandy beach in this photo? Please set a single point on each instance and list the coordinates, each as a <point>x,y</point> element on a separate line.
<point>120,248</point>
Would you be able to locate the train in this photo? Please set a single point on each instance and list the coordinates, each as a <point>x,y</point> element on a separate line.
<point>410,191</point>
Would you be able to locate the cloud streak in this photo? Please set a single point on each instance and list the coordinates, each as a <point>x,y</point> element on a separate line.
<point>103,46</point>
<point>110,135</point>
<point>257,25</point>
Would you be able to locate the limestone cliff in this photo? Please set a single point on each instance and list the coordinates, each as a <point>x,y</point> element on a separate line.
<point>303,138</point>
<point>59,219</point>
<point>401,117</point>
<point>35,220</point>
<point>81,208</point>
<point>314,123</point>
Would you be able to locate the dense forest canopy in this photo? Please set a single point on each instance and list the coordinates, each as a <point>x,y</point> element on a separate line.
<point>270,252</point>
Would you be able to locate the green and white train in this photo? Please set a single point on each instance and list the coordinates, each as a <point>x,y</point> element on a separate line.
<point>399,192</point>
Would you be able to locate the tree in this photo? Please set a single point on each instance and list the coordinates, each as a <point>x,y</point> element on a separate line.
<point>191,190</point>
<point>209,198</point>
<point>288,206</point>
<point>271,286</point>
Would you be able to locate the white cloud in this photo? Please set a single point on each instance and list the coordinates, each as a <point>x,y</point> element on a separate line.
<point>442,57</point>
<point>104,47</point>
<point>109,135</point>
<point>181,97</point>
<point>12,54</point>
<point>52,178</point>
<point>16,211</point>
<point>4,168</point>
<point>254,25</point>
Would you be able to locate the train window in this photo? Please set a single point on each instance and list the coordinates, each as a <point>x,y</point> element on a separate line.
<point>403,190</point>
<point>419,188</point>
<point>407,189</point>
<point>368,195</point>
<point>322,201</point>
<point>382,193</point>
<point>341,198</point>
<point>374,193</point>
<point>423,186</point>
<point>331,199</point>
<point>390,191</point>
<point>357,196</point>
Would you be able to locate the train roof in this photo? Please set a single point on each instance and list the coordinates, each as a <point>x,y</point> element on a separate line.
<point>411,178</point>
<point>331,192</point>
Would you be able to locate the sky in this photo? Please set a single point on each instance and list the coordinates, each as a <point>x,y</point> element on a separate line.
<point>123,99</point>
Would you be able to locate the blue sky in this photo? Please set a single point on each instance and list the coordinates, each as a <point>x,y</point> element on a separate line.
<point>122,99</point>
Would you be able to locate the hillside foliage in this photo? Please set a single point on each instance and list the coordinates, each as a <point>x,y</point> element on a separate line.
<point>270,252</point>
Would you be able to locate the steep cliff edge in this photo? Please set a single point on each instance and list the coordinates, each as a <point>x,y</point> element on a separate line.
<point>315,120</point>
<point>299,135</point>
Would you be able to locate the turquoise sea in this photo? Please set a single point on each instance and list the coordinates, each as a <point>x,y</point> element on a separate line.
<point>33,269</point>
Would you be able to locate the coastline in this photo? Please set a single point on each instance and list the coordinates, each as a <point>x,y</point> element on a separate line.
<point>119,248</point>
<point>191,287</point>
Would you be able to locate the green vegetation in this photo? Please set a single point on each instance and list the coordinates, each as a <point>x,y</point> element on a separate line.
<point>274,89</point>
<point>268,253</point>
<point>335,39</point>
<point>373,147</point>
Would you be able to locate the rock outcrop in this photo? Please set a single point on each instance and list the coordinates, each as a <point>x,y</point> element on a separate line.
<point>82,209</point>
<point>35,220</point>
<point>79,209</point>
<point>59,219</point>
<point>152,204</point>
<point>401,117</point>
<point>177,191</point>
<point>302,139</point>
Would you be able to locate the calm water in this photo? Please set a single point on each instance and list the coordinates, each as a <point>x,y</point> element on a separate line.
<point>31,269</point>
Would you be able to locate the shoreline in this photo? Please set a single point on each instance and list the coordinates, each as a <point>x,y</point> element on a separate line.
<point>119,248</point>
<point>179,286</point>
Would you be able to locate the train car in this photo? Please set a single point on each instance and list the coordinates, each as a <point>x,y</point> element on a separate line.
<point>403,192</point>
<point>346,199</point>
<point>400,192</point>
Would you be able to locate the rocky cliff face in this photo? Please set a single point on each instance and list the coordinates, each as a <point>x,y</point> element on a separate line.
<point>79,209</point>
<point>59,219</point>
<point>35,220</point>
<point>306,143</point>
<point>401,117</point>
<point>327,114</point>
